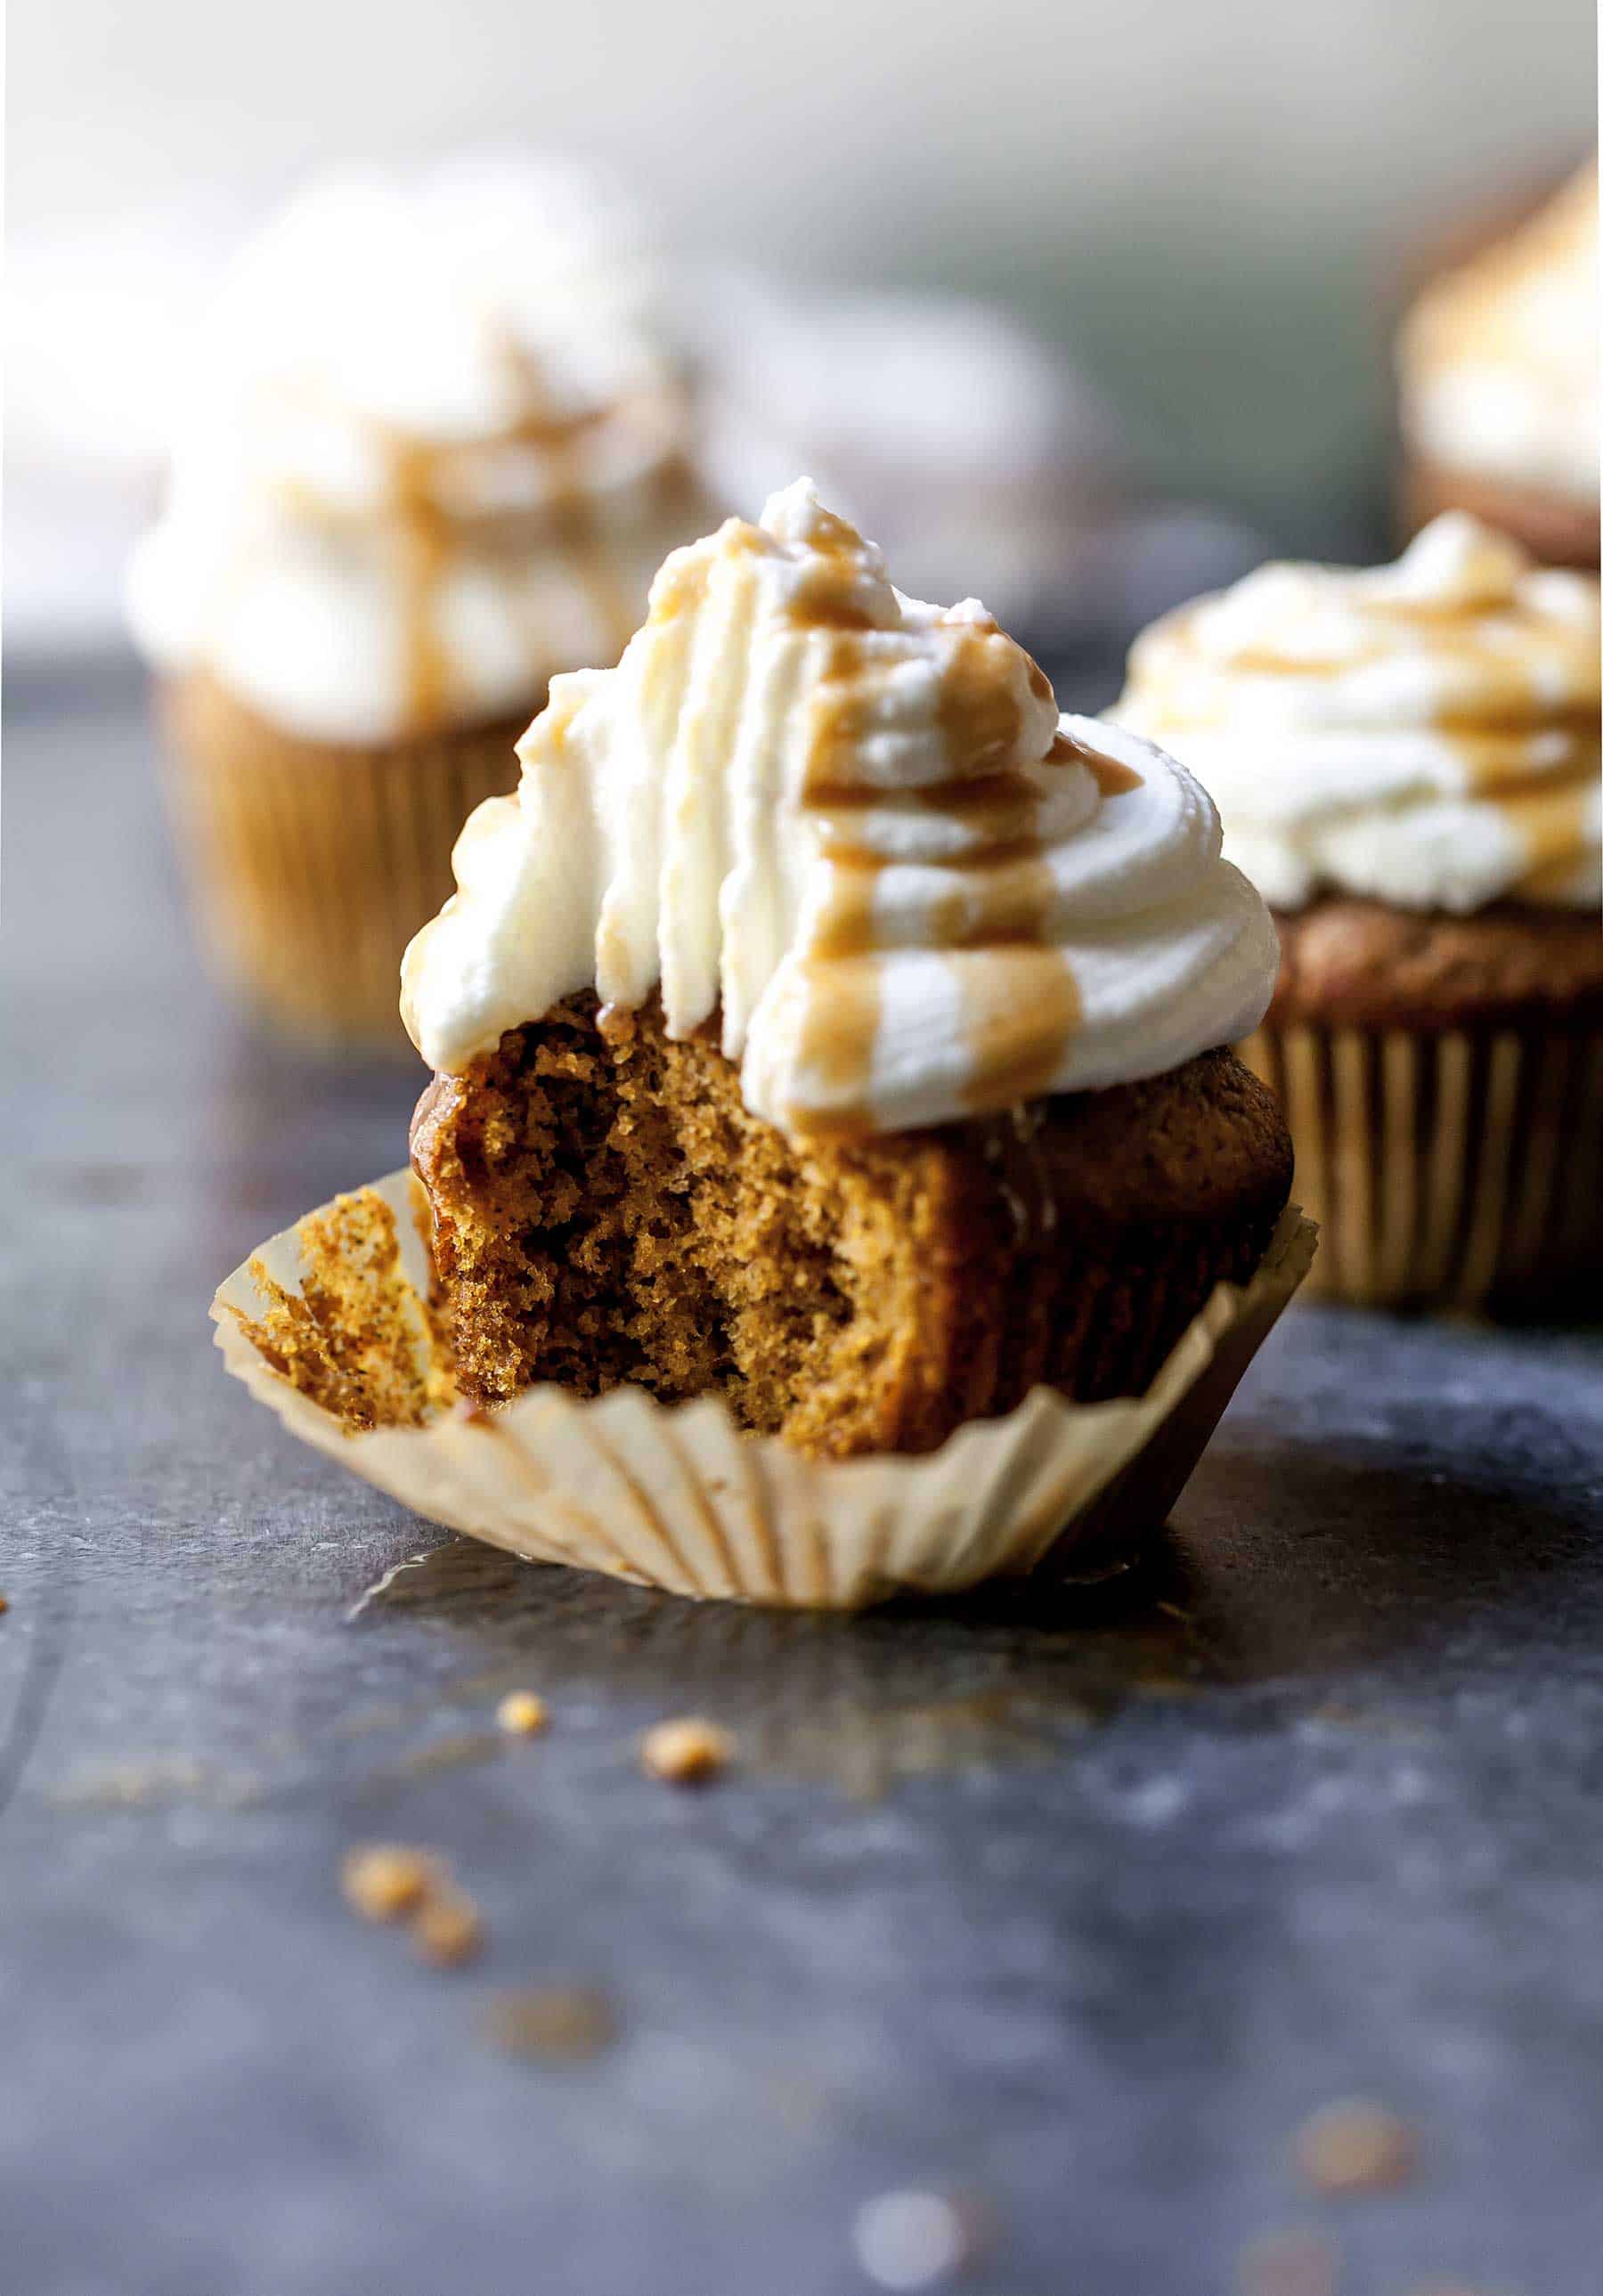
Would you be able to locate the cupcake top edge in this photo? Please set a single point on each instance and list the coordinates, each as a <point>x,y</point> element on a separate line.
<point>1497,361</point>
<point>433,444</point>
<point>1425,733</point>
<point>853,829</point>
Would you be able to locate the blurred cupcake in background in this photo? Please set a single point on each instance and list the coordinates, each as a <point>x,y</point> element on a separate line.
<point>433,448</point>
<point>1497,366</point>
<point>1406,762</point>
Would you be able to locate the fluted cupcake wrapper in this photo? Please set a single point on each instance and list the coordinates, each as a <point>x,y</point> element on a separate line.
<point>1450,1168</point>
<point>328,1324</point>
<point>312,869</point>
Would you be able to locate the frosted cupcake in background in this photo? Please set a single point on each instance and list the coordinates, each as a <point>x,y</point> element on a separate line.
<point>1406,762</point>
<point>1497,368</point>
<point>434,450</point>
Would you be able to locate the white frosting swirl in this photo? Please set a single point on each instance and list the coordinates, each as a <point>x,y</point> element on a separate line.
<point>434,452</point>
<point>1425,734</point>
<point>854,827</point>
<point>1498,362</point>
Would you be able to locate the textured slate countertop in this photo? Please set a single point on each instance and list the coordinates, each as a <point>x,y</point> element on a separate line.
<point>1069,1909</point>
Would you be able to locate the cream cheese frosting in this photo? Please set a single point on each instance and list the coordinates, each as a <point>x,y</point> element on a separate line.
<point>856,829</point>
<point>433,449</point>
<point>1425,734</point>
<point>1498,363</point>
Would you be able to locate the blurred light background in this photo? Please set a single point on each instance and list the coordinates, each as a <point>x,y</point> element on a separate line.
<point>1210,204</point>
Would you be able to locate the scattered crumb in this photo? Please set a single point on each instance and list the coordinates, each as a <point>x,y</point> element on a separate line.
<point>569,2022</point>
<point>911,2239</point>
<point>5,1606</point>
<point>1355,2146</point>
<point>386,1882</point>
<point>447,1928</point>
<point>381,1881</point>
<point>687,1752</point>
<point>522,1713</point>
<point>356,1340</point>
<point>1288,2263</point>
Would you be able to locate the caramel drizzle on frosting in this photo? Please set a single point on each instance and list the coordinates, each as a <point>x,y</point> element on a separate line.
<point>432,538</point>
<point>425,552</point>
<point>1556,826</point>
<point>1018,1002</point>
<point>1528,744</point>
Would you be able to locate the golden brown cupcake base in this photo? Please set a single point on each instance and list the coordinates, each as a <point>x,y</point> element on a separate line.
<point>1555,529</point>
<point>313,864</point>
<point>606,1208</point>
<point>1443,1078</point>
<point>1345,961</point>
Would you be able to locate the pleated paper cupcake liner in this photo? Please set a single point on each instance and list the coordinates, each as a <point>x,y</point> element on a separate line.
<point>312,868</point>
<point>328,1325</point>
<point>1460,1169</point>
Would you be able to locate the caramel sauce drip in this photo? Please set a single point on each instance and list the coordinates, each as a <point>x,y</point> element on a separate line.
<point>1022,1008</point>
<point>1554,826</point>
<point>838,1041</point>
<point>432,538</point>
<point>1484,752</point>
<point>1112,777</point>
<point>980,715</point>
<point>1019,1003</point>
<point>426,549</point>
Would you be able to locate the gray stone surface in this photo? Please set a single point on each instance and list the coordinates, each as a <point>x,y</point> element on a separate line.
<point>1074,1908</point>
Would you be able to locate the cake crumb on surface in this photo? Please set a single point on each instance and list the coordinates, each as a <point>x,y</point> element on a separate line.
<point>389,1882</point>
<point>447,1928</point>
<point>382,1881</point>
<point>522,1713</point>
<point>566,2021</point>
<point>1355,2145</point>
<point>686,1752</point>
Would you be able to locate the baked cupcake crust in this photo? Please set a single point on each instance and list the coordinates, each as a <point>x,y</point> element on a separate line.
<point>1352,963</point>
<point>606,1208</point>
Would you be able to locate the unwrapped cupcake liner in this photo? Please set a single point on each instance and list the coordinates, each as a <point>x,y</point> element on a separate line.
<point>312,869</point>
<point>330,1325</point>
<point>1458,1168</point>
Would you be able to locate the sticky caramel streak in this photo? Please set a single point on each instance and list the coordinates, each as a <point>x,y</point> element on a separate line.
<point>1019,1001</point>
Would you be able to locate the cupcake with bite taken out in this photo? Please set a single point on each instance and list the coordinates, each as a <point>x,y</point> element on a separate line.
<point>825,1025</point>
<point>433,451</point>
<point>1407,764</point>
<point>836,1178</point>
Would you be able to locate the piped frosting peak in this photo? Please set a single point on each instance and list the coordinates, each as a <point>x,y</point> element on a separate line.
<point>854,828</point>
